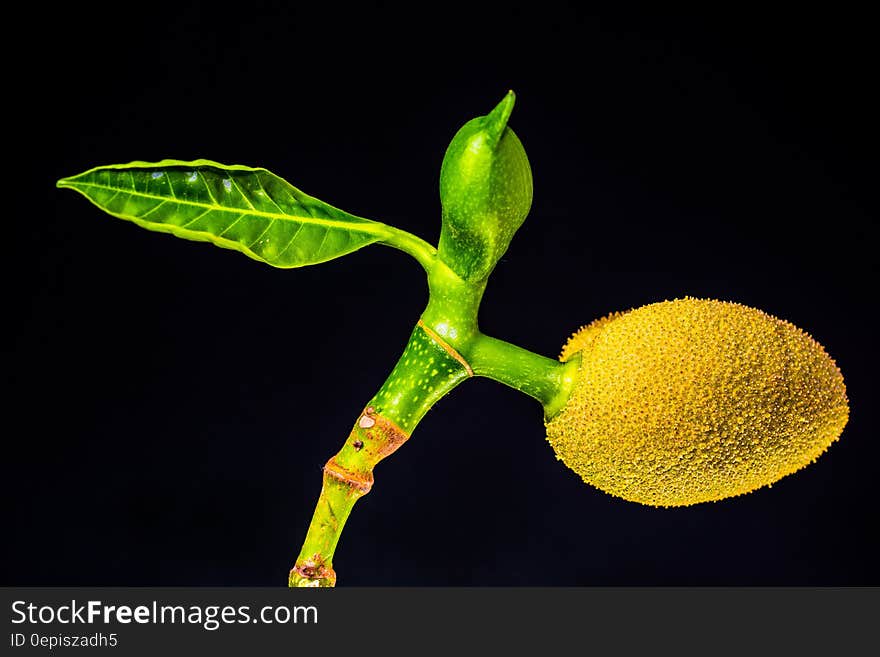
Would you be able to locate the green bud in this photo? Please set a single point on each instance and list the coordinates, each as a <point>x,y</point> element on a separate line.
<point>485,191</point>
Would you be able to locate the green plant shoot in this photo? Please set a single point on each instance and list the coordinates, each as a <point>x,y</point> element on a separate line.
<point>486,194</point>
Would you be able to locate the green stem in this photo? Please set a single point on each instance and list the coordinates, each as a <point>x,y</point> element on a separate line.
<point>425,373</point>
<point>544,379</point>
<point>415,246</point>
<point>445,348</point>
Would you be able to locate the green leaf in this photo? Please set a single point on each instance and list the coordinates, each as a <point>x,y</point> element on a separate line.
<point>235,207</point>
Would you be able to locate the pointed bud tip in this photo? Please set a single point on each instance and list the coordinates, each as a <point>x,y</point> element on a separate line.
<point>496,120</point>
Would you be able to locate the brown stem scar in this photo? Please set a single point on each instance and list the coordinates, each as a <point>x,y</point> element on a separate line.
<point>359,482</point>
<point>390,436</point>
<point>313,570</point>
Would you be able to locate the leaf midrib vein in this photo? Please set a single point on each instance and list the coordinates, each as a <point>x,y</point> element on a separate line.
<point>365,226</point>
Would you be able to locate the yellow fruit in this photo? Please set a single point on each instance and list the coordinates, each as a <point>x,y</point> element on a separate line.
<point>695,400</point>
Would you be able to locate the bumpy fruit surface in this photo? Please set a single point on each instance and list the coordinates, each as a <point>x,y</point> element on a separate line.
<point>695,400</point>
<point>485,191</point>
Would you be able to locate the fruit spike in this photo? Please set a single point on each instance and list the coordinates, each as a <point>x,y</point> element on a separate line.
<point>693,400</point>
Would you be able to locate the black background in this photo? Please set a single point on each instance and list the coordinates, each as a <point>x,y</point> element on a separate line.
<point>169,404</point>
